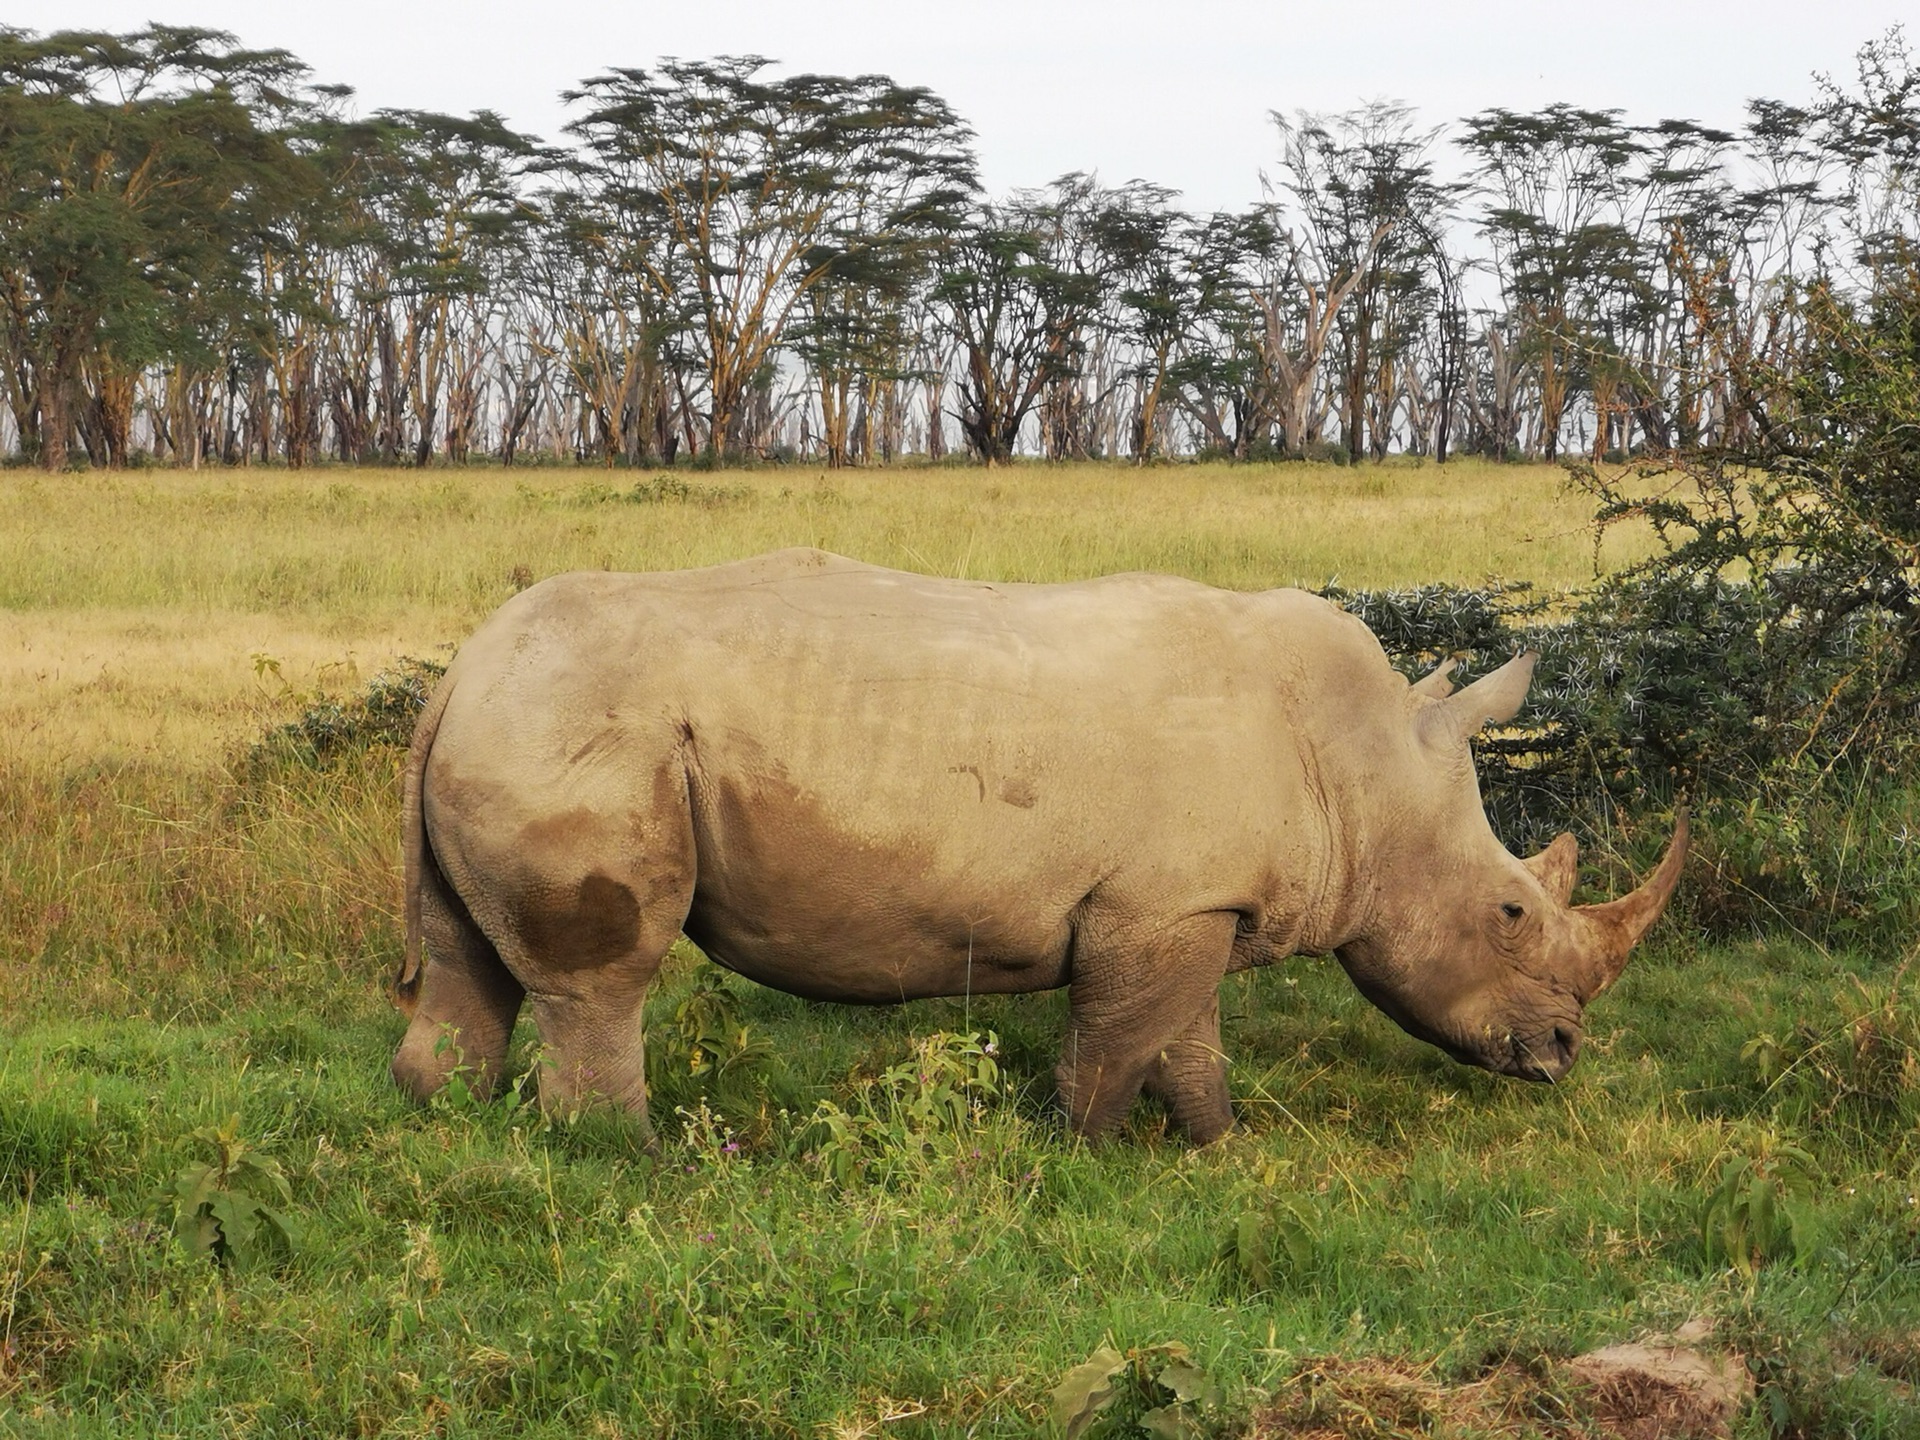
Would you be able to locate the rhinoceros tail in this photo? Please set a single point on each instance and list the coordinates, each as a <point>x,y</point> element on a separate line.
<point>417,852</point>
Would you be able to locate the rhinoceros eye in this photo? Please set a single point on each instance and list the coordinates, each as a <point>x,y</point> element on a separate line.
<point>1512,911</point>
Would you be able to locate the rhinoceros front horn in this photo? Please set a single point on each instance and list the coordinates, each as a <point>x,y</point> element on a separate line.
<point>1619,924</point>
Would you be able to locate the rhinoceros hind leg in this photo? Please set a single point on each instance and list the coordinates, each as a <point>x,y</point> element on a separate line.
<point>587,947</point>
<point>1135,998</point>
<point>467,1004</point>
<point>593,1046</point>
<point>1190,1078</point>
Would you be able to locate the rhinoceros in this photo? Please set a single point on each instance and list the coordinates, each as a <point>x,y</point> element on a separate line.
<point>856,784</point>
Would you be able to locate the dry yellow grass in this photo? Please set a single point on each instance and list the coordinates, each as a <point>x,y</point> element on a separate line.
<point>139,612</point>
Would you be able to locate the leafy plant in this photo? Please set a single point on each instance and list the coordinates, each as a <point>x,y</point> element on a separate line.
<point>1157,1391</point>
<point>940,1092</point>
<point>221,1205</point>
<point>461,1095</point>
<point>1761,1209</point>
<point>704,1054</point>
<point>1270,1246</point>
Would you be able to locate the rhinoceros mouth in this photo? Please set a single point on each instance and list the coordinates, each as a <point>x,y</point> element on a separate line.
<point>1545,1058</point>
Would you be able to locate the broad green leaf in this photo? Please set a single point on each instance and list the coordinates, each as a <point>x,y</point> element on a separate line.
<point>1171,1422</point>
<point>1086,1390</point>
<point>1189,1383</point>
<point>236,1214</point>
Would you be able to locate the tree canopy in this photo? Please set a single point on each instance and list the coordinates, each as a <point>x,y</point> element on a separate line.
<point>207,256</point>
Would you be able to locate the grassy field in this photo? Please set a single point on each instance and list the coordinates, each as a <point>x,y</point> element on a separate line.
<point>856,1222</point>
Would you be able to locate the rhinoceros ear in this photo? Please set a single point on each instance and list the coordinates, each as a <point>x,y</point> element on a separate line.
<point>1434,685</point>
<point>1491,700</point>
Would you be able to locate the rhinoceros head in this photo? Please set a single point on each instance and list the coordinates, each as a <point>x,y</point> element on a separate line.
<point>1463,944</point>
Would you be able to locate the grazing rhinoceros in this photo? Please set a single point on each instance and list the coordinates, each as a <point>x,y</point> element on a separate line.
<point>855,784</point>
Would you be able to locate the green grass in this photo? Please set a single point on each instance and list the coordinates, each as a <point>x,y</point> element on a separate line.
<point>475,1269</point>
<point>186,938</point>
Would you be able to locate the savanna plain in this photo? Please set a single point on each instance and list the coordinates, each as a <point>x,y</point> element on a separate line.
<point>218,1217</point>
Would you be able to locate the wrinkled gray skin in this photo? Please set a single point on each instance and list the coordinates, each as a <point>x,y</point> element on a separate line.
<point>860,785</point>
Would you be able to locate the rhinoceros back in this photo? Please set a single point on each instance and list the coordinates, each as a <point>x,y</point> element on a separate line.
<point>897,786</point>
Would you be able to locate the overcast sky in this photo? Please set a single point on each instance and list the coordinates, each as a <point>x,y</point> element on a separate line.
<point>1176,92</point>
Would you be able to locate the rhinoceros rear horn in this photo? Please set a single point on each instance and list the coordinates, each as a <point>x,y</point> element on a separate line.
<point>1620,923</point>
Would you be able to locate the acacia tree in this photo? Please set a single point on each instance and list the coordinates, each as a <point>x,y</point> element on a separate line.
<point>1444,340</point>
<point>854,330</point>
<point>1150,248</point>
<point>1076,409</point>
<point>1557,180</point>
<point>1298,301</point>
<point>853,336</point>
<point>1018,315</point>
<point>766,187</point>
<point>447,216</point>
<point>616,300</point>
<point>299,265</point>
<point>1874,132</point>
<point>1217,375</point>
<point>1362,184</point>
<point>132,169</point>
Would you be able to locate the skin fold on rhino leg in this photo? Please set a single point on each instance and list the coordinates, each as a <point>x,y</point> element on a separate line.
<point>467,1003</point>
<point>1140,1014</point>
<point>1189,1077</point>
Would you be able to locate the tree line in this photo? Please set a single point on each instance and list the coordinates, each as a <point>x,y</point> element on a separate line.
<point>207,256</point>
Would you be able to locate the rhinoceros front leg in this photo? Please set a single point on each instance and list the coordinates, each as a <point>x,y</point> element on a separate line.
<point>1144,1008</point>
<point>1190,1078</point>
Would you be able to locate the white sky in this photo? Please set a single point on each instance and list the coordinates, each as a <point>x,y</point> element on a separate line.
<point>1176,92</point>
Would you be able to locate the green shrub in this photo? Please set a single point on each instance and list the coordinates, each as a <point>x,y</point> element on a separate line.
<point>1156,1390</point>
<point>1760,1209</point>
<point>326,730</point>
<point>703,1055</point>
<point>912,1113</point>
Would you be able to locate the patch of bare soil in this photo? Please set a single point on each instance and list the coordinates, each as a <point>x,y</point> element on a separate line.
<point>1663,1388</point>
<point>1666,1384</point>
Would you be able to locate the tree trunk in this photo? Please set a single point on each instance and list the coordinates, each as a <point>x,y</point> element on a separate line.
<point>56,419</point>
<point>1553,401</point>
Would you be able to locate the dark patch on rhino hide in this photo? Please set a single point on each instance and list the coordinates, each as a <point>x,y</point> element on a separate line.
<point>601,925</point>
<point>1018,791</point>
<point>789,898</point>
